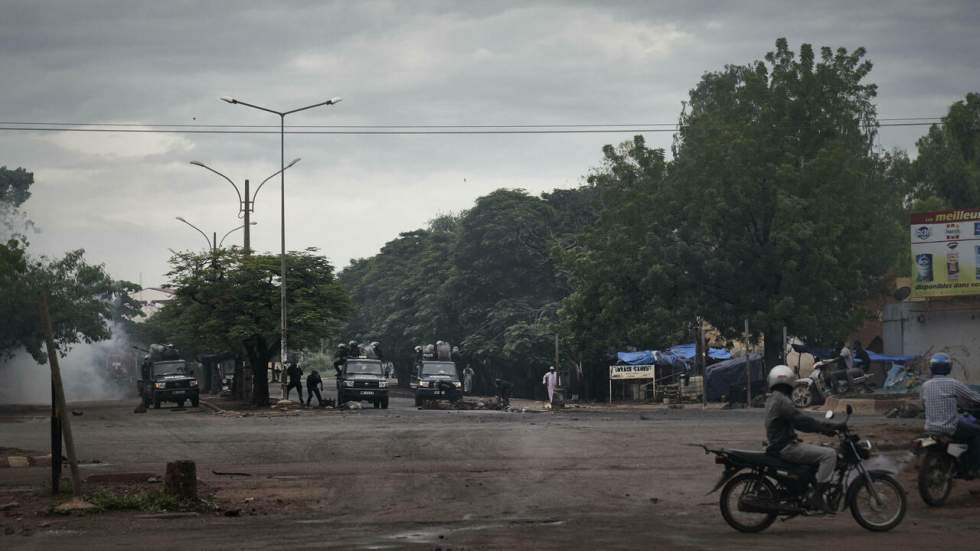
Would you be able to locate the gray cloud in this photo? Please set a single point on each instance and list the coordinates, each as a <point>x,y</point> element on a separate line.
<point>393,62</point>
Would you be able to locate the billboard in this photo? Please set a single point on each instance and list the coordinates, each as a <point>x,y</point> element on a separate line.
<point>946,253</point>
<point>631,372</point>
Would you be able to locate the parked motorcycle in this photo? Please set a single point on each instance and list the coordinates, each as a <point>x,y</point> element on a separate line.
<point>757,488</point>
<point>941,462</point>
<point>827,380</point>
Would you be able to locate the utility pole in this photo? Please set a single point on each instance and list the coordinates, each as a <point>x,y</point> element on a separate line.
<point>59,395</point>
<point>248,208</point>
<point>748,368</point>
<point>55,443</point>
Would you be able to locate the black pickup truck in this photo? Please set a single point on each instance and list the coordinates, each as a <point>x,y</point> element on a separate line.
<point>437,380</point>
<point>168,381</point>
<point>363,379</point>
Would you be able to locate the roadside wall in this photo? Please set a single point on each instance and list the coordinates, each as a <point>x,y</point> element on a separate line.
<point>926,327</point>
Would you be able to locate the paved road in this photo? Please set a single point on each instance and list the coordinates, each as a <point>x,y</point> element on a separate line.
<point>408,478</point>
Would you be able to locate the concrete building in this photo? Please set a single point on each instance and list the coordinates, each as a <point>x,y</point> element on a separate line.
<point>923,327</point>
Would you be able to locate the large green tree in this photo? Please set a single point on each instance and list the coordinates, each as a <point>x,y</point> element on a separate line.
<point>228,300</point>
<point>623,293</point>
<point>947,169</point>
<point>83,299</point>
<point>782,213</point>
<point>399,293</point>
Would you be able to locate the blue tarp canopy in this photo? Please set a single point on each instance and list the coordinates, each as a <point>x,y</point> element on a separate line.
<point>686,352</point>
<point>721,378</point>
<point>875,357</point>
<point>674,356</point>
<point>650,357</point>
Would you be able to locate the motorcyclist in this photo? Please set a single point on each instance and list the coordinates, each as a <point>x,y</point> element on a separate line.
<point>782,422</point>
<point>941,395</point>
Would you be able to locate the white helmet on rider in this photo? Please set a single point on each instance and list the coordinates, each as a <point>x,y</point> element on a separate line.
<point>781,375</point>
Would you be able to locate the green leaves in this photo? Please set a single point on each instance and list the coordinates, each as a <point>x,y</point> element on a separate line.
<point>947,169</point>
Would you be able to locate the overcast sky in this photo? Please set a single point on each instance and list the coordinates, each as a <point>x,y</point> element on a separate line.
<point>411,62</point>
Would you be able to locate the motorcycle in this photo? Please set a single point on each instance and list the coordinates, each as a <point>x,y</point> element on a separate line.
<point>941,462</point>
<point>826,380</point>
<point>757,488</point>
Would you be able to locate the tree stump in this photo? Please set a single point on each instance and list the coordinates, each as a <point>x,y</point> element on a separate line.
<point>181,480</point>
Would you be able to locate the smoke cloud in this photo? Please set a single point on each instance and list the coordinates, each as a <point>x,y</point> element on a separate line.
<point>99,371</point>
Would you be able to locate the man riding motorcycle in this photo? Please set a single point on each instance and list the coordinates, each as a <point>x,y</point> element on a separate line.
<point>782,422</point>
<point>940,397</point>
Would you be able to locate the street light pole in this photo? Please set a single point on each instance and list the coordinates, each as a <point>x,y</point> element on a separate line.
<point>200,231</point>
<point>246,201</point>
<point>283,347</point>
<point>243,226</point>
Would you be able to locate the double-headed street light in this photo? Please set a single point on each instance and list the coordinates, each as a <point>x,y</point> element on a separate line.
<point>213,243</point>
<point>283,348</point>
<point>246,204</point>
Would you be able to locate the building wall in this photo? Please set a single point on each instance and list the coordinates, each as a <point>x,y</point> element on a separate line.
<point>926,327</point>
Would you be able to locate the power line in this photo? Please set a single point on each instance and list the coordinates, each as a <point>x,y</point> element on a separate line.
<point>149,126</point>
<point>367,131</point>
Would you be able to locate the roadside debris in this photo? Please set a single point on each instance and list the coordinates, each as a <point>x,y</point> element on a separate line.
<point>230,474</point>
<point>75,506</point>
<point>77,412</point>
<point>909,410</point>
<point>9,506</point>
<point>140,408</point>
<point>351,406</point>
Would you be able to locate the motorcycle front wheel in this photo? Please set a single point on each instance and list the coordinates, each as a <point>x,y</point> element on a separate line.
<point>935,478</point>
<point>803,396</point>
<point>750,485</point>
<point>882,510</point>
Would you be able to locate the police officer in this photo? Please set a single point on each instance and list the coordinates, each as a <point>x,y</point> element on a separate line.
<point>295,377</point>
<point>313,385</point>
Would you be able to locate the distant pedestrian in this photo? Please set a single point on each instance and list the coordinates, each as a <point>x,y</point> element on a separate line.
<point>313,386</point>
<point>295,376</point>
<point>550,381</point>
<point>468,379</point>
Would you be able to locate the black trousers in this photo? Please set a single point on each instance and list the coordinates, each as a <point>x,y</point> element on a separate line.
<point>310,391</point>
<point>299,390</point>
<point>969,433</point>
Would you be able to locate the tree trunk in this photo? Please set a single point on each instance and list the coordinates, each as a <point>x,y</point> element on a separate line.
<point>773,347</point>
<point>181,480</point>
<point>259,355</point>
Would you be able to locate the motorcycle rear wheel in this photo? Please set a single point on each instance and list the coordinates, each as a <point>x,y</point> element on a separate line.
<point>878,516</point>
<point>741,485</point>
<point>935,478</point>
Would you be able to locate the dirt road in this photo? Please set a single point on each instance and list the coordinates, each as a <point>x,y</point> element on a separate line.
<point>426,479</point>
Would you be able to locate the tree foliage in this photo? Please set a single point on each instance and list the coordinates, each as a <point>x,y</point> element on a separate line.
<point>947,169</point>
<point>83,300</point>
<point>230,301</point>
<point>775,208</point>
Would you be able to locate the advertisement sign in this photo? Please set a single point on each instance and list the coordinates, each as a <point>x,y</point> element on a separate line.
<point>631,372</point>
<point>946,253</point>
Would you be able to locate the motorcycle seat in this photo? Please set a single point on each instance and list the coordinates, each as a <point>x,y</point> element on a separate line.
<point>762,458</point>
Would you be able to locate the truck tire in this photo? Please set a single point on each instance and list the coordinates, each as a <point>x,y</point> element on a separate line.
<point>384,403</point>
<point>196,401</point>
<point>376,404</point>
<point>418,401</point>
<point>180,403</point>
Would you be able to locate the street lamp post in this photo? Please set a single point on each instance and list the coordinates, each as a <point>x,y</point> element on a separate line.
<point>246,203</point>
<point>213,243</point>
<point>283,348</point>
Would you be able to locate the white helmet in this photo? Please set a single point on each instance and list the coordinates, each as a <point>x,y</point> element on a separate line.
<point>781,375</point>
